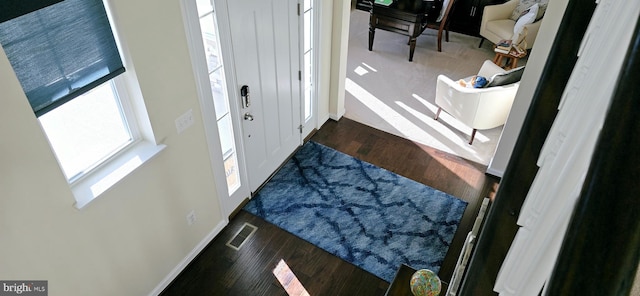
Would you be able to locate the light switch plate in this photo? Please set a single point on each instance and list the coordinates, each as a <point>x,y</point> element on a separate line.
<point>184,121</point>
<point>191,217</point>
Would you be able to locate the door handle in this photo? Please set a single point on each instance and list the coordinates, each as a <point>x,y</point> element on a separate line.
<point>248,116</point>
<point>244,94</point>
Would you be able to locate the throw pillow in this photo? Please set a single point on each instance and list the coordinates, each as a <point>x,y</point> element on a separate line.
<point>528,16</point>
<point>525,4</point>
<point>506,78</point>
<point>474,81</point>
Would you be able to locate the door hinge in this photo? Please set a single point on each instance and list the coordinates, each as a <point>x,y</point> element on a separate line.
<point>300,128</point>
<point>298,9</point>
<point>300,75</point>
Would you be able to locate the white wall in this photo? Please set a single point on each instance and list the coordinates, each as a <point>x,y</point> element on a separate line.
<point>126,241</point>
<point>334,38</point>
<point>339,45</point>
<point>529,82</point>
<point>324,67</point>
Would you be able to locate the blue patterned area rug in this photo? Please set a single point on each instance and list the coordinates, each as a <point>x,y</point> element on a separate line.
<point>359,212</point>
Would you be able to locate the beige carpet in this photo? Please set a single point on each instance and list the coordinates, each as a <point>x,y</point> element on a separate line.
<point>386,91</point>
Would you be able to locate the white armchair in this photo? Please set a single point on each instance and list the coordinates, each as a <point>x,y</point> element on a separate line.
<point>478,108</point>
<point>497,25</point>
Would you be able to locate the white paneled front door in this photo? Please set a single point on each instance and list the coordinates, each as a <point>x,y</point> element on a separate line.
<point>265,36</point>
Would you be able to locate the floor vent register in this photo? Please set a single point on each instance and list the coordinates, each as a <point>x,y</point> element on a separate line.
<point>241,237</point>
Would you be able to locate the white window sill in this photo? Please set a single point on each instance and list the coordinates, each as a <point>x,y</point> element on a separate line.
<point>99,181</point>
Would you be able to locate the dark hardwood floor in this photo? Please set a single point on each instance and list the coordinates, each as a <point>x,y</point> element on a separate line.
<point>221,270</point>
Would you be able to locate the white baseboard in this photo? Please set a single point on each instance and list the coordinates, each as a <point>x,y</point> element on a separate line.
<point>181,266</point>
<point>494,172</point>
<point>336,117</point>
<point>323,120</point>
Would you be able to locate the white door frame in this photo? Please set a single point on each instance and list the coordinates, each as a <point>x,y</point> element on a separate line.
<point>199,64</point>
<point>308,127</point>
<point>224,35</point>
<point>194,42</point>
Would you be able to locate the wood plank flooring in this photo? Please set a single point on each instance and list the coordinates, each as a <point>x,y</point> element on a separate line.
<point>221,270</point>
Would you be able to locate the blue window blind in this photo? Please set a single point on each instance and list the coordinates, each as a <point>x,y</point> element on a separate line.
<point>61,51</point>
<point>15,8</point>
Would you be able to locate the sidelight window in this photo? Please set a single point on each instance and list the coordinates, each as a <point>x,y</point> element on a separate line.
<point>215,68</point>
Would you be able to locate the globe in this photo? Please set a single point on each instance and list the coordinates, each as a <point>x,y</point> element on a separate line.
<point>425,282</point>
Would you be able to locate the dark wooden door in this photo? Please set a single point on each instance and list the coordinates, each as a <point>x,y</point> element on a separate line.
<point>466,15</point>
<point>363,5</point>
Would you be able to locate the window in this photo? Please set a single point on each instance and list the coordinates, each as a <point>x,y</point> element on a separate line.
<point>88,130</point>
<point>68,63</point>
<point>215,69</point>
<point>308,59</point>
